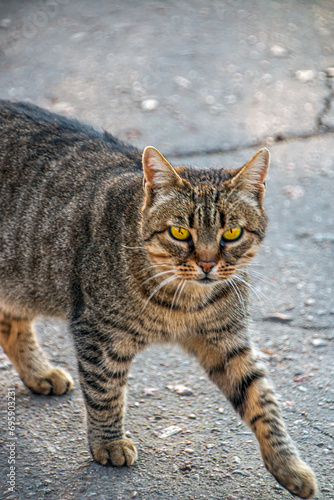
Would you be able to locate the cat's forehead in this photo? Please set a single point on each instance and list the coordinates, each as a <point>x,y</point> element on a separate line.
<point>206,203</point>
<point>205,178</point>
<point>208,190</point>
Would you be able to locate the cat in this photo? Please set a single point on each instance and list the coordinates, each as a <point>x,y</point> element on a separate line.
<point>130,251</point>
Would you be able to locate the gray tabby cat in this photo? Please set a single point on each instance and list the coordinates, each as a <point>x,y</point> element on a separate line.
<point>130,251</point>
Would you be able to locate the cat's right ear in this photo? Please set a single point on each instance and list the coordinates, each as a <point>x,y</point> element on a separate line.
<point>252,176</point>
<point>158,173</point>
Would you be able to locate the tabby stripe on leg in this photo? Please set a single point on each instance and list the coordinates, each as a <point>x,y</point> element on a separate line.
<point>102,418</point>
<point>92,375</point>
<point>239,396</point>
<point>112,420</point>
<point>98,406</point>
<point>121,328</point>
<point>91,356</point>
<point>94,384</point>
<point>117,357</point>
<point>256,418</point>
<point>238,351</point>
<point>105,372</point>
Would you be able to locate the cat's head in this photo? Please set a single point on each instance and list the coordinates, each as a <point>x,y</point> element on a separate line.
<point>202,225</point>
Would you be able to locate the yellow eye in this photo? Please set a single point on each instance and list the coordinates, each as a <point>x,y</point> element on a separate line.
<point>179,233</point>
<point>232,234</point>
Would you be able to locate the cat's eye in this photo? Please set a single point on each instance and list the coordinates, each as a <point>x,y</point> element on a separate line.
<point>179,233</point>
<point>232,234</point>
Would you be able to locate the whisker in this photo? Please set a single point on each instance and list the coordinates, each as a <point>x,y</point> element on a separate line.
<point>255,290</point>
<point>177,289</point>
<point>145,268</point>
<point>157,275</point>
<point>181,290</point>
<point>237,291</point>
<point>259,276</point>
<point>133,248</point>
<point>255,264</point>
<point>263,278</point>
<point>158,287</point>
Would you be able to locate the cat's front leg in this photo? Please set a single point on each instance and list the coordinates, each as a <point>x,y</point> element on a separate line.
<point>234,366</point>
<point>103,371</point>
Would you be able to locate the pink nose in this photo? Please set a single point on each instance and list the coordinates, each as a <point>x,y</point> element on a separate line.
<point>206,266</point>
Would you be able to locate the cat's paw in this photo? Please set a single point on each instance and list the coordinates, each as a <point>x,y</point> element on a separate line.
<point>56,381</point>
<point>296,477</point>
<point>121,452</point>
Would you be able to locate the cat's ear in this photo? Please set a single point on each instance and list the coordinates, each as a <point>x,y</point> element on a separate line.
<point>158,173</point>
<point>252,176</point>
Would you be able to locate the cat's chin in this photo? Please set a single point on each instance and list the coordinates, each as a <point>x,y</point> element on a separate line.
<point>201,286</point>
<point>206,281</point>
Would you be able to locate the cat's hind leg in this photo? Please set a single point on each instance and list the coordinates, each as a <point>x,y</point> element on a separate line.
<point>19,342</point>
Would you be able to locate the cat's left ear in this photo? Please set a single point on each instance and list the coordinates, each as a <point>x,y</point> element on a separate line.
<point>252,176</point>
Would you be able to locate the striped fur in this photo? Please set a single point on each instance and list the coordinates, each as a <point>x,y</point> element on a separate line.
<point>84,235</point>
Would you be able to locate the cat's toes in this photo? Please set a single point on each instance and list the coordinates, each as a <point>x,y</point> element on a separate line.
<point>298,478</point>
<point>121,452</point>
<point>56,381</point>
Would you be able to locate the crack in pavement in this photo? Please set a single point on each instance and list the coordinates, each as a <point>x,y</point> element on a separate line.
<point>256,144</point>
<point>327,104</point>
<point>320,130</point>
<point>311,423</point>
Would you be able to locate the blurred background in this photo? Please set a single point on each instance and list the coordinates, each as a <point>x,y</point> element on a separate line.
<point>207,83</point>
<point>185,75</point>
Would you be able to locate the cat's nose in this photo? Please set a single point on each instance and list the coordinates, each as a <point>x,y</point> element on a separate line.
<point>206,266</point>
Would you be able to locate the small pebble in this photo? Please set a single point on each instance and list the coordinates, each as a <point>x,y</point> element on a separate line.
<point>182,390</point>
<point>241,472</point>
<point>170,431</point>
<point>278,51</point>
<point>149,104</point>
<point>149,391</point>
<point>319,342</point>
<point>278,317</point>
<point>305,75</point>
<point>182,82</point>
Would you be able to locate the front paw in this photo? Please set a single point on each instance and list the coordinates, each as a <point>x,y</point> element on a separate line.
<point>54,381</point>
<point>295,476</point>
<point>121,452</point>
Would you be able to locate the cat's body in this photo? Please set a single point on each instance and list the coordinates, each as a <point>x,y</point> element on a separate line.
<point>126,265</point>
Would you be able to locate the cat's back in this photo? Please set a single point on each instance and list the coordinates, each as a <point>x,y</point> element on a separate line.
<point>54,176</point>
<point>48,161</point>
<point>35,141</point>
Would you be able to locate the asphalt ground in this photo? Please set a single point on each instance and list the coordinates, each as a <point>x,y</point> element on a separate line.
<point>207,83</point>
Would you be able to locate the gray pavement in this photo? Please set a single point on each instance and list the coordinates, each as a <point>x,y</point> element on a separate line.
<point>207,83</point>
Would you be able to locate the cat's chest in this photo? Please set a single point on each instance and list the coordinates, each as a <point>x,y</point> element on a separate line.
<point>166,325</point>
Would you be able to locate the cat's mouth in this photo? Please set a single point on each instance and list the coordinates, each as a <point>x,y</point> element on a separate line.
<point>205,280</point>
